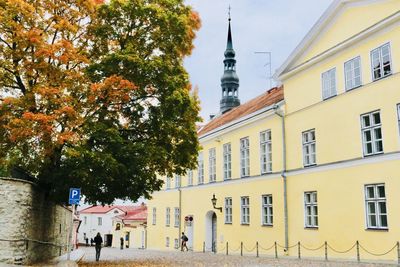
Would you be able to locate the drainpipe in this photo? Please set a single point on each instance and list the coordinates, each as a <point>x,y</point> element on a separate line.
<point>180,216</point>
<point>280,113</point>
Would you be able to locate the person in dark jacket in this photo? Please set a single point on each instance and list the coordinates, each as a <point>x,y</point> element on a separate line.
<point>122,242</point>
<point>98,241</point>
<point>184,240</point>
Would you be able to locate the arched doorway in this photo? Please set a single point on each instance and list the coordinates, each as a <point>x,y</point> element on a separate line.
<point>211,231</point>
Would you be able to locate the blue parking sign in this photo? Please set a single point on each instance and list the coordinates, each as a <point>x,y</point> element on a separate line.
<point>74,195</point>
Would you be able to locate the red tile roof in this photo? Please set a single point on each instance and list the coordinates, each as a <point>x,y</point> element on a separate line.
<point>140,214</point>
<point>107,208</point>
<point>271,97</point>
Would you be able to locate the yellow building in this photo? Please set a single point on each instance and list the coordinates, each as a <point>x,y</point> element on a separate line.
<point>322,165</point>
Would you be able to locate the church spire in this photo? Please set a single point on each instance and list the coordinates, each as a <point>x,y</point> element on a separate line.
<point>229,80</point>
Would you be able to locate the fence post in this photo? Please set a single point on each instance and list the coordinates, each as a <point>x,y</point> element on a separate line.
<point>204,247</point>
<point>276,251</point>
<point>358,251</point>
<point>326,250</point>
<point>241,248</point>
<point>257,248</point>
<point>298,245</point>
<point>398,253</point>
<point>226,247</point>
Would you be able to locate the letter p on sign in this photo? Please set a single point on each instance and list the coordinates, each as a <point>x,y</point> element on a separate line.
<point>74,195</point>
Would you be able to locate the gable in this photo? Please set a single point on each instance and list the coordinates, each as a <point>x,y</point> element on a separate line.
<point>343,20</point>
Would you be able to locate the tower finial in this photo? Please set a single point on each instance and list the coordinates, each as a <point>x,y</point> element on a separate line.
<point>229,13</point>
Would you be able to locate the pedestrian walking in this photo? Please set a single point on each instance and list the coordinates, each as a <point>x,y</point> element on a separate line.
<point>98,241</point>
<point>122,242</point>
<point>184,240</point>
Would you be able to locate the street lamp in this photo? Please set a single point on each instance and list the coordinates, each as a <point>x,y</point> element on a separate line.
<point>214,202</point>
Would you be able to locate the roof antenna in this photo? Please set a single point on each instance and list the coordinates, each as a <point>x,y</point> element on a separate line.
<point>229,13</point>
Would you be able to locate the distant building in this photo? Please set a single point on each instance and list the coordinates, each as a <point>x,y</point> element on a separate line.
<point>98,219</point>
<point>131,227</point>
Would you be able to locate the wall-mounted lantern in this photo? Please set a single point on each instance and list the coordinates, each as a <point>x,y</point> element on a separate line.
<point>214,202</point>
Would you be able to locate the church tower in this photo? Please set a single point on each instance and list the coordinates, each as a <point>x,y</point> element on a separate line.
<point>229,80</point>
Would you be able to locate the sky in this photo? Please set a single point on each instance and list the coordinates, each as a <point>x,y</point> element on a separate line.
<point>275,26</point>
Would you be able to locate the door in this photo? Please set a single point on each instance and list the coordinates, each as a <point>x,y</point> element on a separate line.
<point>214,233</point>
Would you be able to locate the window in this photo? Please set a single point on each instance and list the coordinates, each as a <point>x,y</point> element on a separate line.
<point>267,210</point>
<point>329,84</point>
<point>352,73</point>
<point>311,209</point>
<point>177,181</point>
<point>99,221</point>
<point>227,161</point>
<point>167,242</point>
<point>190,178</point>
<point>176,216</point>
<point>118,227</point>
<point>398,115</point>
<point>167,216</point>
<point>309,151</point>
<point>371,129</point>
<point>168,185</point>
<point>85,220</point>
<point>381,62</point>
<point>154,216</point>
<point>200,163</point>
<point>375,201</point>
<point>212,163</point>
<point>176,243</point>
<point>266,152</point>
<point>245,210</point>
<point>228,210</point>
<point>244,157</point>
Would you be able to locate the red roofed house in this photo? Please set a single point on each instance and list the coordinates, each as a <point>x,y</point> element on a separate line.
<point>131,227</point>
<point>98,219</point>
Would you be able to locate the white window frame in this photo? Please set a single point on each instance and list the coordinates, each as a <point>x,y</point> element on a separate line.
<point>212,162</point>
<point>311,209</point>
<point>99,221</point>
<point>244,157</point>
<point>177,181</point>
<point>329,84</point>
<point>266,151</point>
<point>372,129</point>
<point>190,177</point>
<point>227,155</point>
<point>176,217</point>
<point>352,73</point>
<point>228,210</point>
<point>309,148</point>
<point>200,169</point>
<point>154,216</point>
<point>176,243</point>
<point>245,210</point>
<point>381,67</point>
<point>267,210</point>
<point>375,202</point>
<point>168,182</point>
<point>167,242</point>
<point>167,216</point>
<point>85,220</point>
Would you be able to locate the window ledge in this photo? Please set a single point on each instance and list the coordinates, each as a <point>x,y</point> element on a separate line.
<point>228,223</point>
<point>377,229</point>
<point>375,154</point>
<point>332,96</point>
<point>267,225</point>
<point>245,224</point>
<point>311,165</point>
<point>354,88</point>
<point>311,228</point>
<point>383,77</point>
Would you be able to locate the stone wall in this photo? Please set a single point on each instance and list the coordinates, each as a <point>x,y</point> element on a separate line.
<point>31,228</point>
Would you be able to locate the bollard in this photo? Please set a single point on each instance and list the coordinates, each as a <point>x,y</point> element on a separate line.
<point>204,247</point>
<point>241,248</point>
<point>326,250</point>
<point>27,244</point>
<point>59,252</point>
<point>398,253</point>
<point>276,251</point>
<point>298,245</point>
<point>257,248</point>
<point>226,247</point>
<point>358,251</point>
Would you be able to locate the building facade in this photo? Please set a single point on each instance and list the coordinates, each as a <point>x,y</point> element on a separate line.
<point>320,167</point>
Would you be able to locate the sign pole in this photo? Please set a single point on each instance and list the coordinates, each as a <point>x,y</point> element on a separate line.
<point>70,233</point>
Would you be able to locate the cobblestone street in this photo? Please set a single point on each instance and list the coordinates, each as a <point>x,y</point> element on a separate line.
<point>135,257</point>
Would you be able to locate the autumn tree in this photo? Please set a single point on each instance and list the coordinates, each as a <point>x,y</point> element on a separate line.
<point>95,95</point>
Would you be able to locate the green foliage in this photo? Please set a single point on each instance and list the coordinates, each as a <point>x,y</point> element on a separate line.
<point>126,114</point>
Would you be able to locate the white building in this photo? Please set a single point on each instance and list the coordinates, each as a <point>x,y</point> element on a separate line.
<point>98,219</point>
